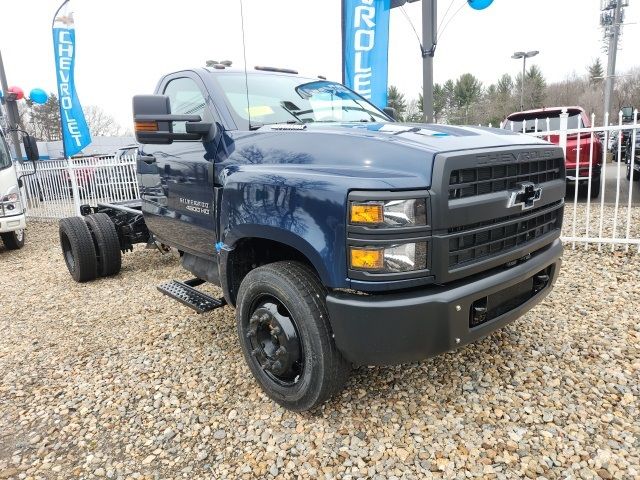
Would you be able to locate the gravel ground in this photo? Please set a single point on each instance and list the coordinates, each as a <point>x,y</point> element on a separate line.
<point>112,379</point>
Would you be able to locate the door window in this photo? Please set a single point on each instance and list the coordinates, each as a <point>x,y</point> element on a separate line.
<point>185,98</point>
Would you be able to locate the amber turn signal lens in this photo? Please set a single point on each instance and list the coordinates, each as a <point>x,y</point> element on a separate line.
<point>146,126</point>
<point>367,213</point>
<point>367,258</point>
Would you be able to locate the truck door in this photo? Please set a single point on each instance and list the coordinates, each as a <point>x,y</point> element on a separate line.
<point>181,205</point>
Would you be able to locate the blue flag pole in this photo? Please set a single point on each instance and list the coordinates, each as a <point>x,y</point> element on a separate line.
<point>366,48</point>
<point>75,131</point>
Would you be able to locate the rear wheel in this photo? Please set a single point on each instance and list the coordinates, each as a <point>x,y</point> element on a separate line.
<point>107,242</point>
<point>13,240</point>
<point>284,331</point>
<point>583,188</point>
<point>636,175</point>
<point>78,249</point>
<point>595,187</point>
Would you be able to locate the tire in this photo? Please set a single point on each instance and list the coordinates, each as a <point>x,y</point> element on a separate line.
<point>107,243</point>
<point>13,240</point>
<point>290,296</point>
<point>595,187</point>
<point>636,175</point>
<point>78,249</point>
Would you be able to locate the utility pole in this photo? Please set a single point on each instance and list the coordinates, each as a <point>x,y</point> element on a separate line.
<point>612,30</point>
<point>12,112</point>
<point>523,56</point>
<point>429,41</point>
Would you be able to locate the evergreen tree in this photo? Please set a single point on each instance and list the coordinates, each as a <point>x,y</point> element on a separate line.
<point>43,121</point>
<point>596,72</point>
<point>396,100</point>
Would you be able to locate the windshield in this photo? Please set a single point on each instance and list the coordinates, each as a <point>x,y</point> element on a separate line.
<point>289,99</point>
<point>547,122</point>
<point>5,158</point>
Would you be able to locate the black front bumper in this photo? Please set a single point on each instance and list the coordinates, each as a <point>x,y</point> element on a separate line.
<point>408,326</point>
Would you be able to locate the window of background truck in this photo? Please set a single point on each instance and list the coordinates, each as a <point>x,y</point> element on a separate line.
<point>185,98</point>
<point>5,158</point>
<point>574,121</point>
<point>282,99</point>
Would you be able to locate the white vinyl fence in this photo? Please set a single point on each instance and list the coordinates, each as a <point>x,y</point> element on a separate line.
<point>611,217</point>
<point>59,187</point>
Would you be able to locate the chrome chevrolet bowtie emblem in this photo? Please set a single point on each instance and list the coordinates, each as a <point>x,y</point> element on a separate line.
<point>526,196</point>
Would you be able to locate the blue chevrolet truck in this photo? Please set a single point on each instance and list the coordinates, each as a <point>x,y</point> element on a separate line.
<point>340,236</point>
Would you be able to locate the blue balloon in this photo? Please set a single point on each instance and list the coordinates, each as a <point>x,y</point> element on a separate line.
<point>39,96</point>
<point>479,4</point>
<point>1,94</point>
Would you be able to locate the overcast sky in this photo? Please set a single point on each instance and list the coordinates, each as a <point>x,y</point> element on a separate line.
<point>124,46</point>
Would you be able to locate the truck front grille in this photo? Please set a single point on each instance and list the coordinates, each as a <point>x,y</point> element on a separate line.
<point>473,243</point>
<point>469,182</point>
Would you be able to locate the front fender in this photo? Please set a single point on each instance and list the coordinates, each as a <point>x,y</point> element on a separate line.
<point>290,208</point>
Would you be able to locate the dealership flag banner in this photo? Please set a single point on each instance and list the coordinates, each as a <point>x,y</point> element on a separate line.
<point>365,48</point>
<point>75,132</point>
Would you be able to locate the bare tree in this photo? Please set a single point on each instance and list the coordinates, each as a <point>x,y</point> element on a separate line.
<point>101,124</point>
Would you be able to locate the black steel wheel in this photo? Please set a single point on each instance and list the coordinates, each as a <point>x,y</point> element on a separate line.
<point>284,331</point>
<point>78,249</point>
<point>13,240</point>
<point>274,341</point>
<point>107,243</point>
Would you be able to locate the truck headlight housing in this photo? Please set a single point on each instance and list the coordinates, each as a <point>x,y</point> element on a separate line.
<point>389,213</point>
<point>397,258</point>
<point>11,198</point>
<point>11,204</point>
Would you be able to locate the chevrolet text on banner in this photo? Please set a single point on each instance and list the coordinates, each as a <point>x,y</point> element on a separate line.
<point>365,48</point>
<point>75,132</point>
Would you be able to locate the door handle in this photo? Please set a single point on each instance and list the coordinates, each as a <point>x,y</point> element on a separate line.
<point>148,159</point>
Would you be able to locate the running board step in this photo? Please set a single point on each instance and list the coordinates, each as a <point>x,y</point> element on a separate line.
<point>189,296</point>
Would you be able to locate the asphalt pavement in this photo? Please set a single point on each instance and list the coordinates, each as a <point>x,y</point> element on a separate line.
<point>611,187</point>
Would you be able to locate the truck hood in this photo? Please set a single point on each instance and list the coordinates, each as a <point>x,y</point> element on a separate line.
<point>370,155</point>
<point>430,137</point>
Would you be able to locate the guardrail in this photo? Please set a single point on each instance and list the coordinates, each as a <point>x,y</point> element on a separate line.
<point>58,187</point>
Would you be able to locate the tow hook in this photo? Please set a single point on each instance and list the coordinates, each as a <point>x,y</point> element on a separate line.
<point>540,281</point>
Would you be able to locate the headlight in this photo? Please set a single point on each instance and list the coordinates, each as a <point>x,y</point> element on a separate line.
<point>11,198</point>
<point>404,257</point>
<point>389,213</point>
<point>11,204</point>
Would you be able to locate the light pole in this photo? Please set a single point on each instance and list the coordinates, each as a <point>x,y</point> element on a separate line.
<point>523,56</point>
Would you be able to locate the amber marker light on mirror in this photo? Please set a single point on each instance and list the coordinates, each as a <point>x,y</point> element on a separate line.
<point>146,126</point>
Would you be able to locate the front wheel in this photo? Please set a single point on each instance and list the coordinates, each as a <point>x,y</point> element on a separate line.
<point>13,240</point>
<point>284,331</point>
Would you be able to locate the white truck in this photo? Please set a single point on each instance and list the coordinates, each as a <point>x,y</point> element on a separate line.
<point>12,207</point>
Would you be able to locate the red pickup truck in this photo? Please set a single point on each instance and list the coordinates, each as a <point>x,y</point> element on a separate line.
<point>578,145</point>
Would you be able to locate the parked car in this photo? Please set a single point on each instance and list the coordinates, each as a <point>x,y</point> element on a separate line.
<point>634,162</point>
<point>623,136</point>
<point>128,151</point>
<point>548,120</point>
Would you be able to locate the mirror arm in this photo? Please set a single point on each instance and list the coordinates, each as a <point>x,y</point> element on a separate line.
<point>166,118</point>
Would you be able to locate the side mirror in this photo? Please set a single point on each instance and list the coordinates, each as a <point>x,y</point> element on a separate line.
<point>31,148</point>
<point>153,122</point>
<point>391,112</point>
